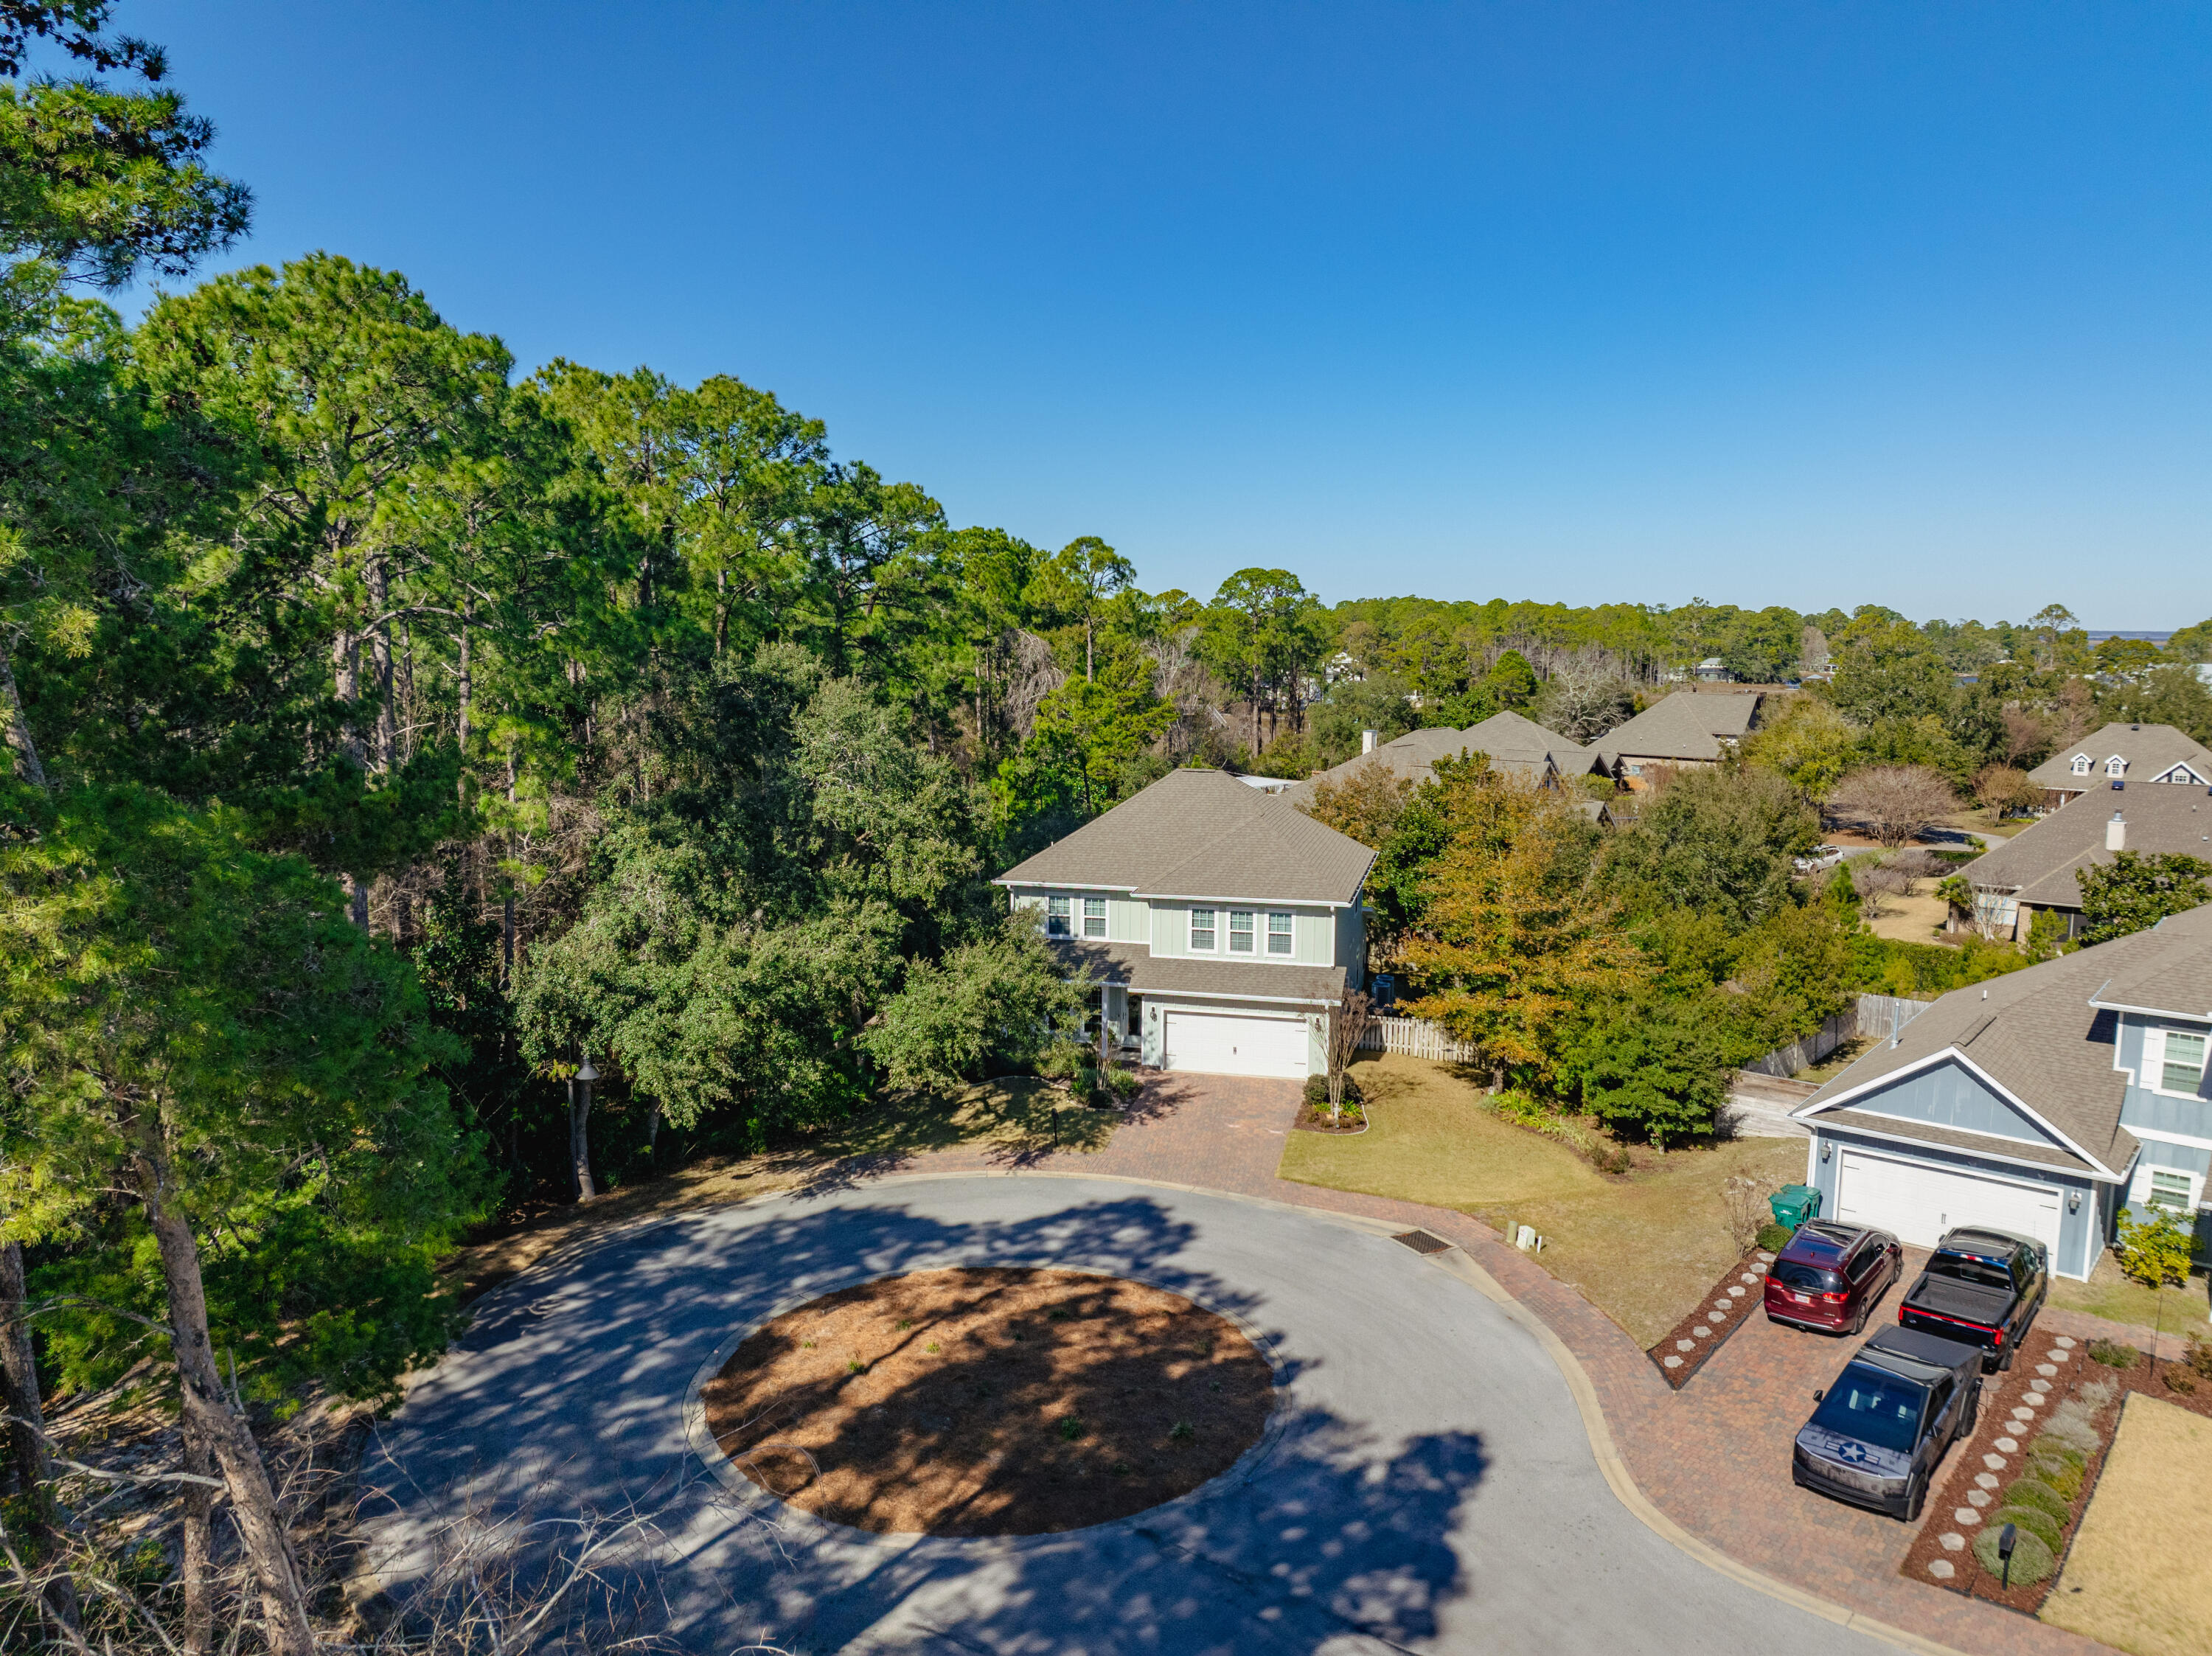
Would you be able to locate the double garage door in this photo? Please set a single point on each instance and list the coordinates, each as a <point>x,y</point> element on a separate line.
<point>1235,1044</point>
<point>1919,1202</point>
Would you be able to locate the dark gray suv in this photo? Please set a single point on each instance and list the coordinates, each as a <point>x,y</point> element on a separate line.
<point>1882,1429</point>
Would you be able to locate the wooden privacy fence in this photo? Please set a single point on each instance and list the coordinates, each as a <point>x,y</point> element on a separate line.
<point>1874,1018</point>
<point>1415,1038</point>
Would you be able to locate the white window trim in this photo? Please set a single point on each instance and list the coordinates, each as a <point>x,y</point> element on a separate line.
<point>1212,929</point>
<point>2192,1183</point>
<point>2116,766</point>
<point>1065,922</point>
<point>1101,916</point>
<point>2155,1064</point>
<point>2081,764</point>
<point>1289,934</point>
<point>1251,932</point>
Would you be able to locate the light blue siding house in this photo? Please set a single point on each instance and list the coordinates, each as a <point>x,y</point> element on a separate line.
<point>1222,925</point>
<point>2043,1102</point>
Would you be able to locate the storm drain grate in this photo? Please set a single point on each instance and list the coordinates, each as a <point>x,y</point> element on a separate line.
<point>1421,1242</point>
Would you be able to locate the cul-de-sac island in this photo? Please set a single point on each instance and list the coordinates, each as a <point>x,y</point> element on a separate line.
<point>622,1034</point>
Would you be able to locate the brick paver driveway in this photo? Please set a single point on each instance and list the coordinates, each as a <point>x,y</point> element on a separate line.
<point>1713,1456</point>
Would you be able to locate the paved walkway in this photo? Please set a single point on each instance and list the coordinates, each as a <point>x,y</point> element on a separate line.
<point>1713,1456</point>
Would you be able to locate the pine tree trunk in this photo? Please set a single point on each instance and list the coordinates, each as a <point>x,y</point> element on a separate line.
<point>209,1413</point>
<point>19,1390</point>
<point>28,765</point>
<point>199,1547</point>
<point>579,1140</point>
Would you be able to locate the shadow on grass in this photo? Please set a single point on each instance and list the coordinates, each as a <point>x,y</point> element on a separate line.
<point>566,1405</point>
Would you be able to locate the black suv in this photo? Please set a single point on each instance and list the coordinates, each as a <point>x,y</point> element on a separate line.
<point>1882,1429</point>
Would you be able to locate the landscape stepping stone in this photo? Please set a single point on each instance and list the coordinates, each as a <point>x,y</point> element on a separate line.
<point>1673,1362</point>
<point>1995,1463</point>
<point>1979,1497</point>
<point>2064,1342</point>
<point>1987,1480</point>
<point>2007,1446</point>
<point>1702,1331</point>
<point>1966,1515</point>
<point>1685,1345</point>
<point>1951,1541</point>
<point>2047,1369</point>
<point>1940,1568</point>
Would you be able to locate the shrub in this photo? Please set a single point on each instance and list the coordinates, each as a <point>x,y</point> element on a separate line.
<point>1122,1082</point>
<point>2033,1492</point>
<point>1775,1238</point>
<point>1317,1091</point>
<point>2032,1520</point>
<point>2062,1477</point>
<point>2199,1357</point>
<point>2032,1560</point>
<point>2113,1353</point>
<point>2180,1381</point>
<point>2051,1448</point>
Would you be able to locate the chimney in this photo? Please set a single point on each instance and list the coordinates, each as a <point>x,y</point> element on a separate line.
<point>1367,741</point>
<point>2116,833</point>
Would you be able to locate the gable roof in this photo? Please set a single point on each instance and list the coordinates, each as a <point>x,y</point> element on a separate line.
<point>2042,861</point>
<point>2149,749</point>
<point>1518,746</point>
<point>2044,1037</point>
<point>1687,725</point>
<point>1203,833</point>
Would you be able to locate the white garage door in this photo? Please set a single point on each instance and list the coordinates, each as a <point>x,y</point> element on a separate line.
<point>1227,1044</point>
<point>1920,1202</point>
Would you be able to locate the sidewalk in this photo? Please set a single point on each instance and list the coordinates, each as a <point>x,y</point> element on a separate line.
<point>1713,1456</point>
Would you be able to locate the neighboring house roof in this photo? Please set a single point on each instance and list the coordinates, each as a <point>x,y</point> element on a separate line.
<point>1520,747</point>
<point>2041,863</point>
<point>2151,751</point>
<point>1687,725</point>
<point>2045,1037</point>
<point>1202,834</point>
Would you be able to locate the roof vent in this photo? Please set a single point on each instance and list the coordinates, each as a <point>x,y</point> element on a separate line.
<point>2116,833</point>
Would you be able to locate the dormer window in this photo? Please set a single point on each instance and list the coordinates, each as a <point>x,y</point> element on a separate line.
<point>2081,764</point>
<point>2116,766</point>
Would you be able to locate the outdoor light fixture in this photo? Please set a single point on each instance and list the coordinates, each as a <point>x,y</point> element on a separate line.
<point>1828,1150</point>
<point>2073,1201</point>
<point>586,1073</point>
<point>2006,1540</point>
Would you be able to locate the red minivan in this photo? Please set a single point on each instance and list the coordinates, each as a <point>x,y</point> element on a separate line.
<point>1829,1275</point>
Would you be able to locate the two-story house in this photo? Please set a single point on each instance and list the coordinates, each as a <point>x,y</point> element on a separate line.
<point>2042,1102</point>
<point>1222,924</point>
<point>2122,753</point>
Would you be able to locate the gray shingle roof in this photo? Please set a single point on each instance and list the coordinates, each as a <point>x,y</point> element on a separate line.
<point>1687,725</point>
<point>1203,833</point>
<point>2177,979</point>
<point>2041,861</point>
<point>2036,1033</point>
<point>2149,749</point>
<point>1518,746</point>
<point>1161,974</point>
<point>2006,1149</point>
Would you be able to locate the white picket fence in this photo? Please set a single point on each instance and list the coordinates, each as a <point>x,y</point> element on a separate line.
<point>1415,1038</point>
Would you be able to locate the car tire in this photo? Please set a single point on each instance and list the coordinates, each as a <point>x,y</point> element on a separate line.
<point>1974,1412</point>
<point>1858,1323</point>
<point>2004,1363</point>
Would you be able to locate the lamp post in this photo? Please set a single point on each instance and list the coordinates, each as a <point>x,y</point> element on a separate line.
<point>579,1111</point>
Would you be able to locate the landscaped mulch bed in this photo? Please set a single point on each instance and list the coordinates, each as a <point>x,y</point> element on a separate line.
<point>989,1402</point>
<point>1737,1297</point>
<point>2051,1368</point>
<point>1314,1118</point>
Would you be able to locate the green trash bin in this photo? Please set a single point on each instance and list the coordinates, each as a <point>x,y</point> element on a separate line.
<point>1793,1204</point>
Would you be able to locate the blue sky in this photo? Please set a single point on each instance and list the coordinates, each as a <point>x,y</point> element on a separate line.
<point>1765,303</point>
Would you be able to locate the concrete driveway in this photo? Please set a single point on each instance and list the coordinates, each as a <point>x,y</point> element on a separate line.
<point>1428,1485</point>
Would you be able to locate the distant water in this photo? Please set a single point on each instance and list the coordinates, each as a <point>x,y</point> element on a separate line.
<point>2096,633</point>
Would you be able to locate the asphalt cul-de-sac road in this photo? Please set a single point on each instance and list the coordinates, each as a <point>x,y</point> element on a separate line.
<point>1428,1484</point>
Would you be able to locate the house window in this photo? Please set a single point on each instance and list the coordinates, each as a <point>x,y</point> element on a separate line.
<point>1278,934</point>
<point>2170,1190</point>
<point>1201,930</point>
<point>2182,1072</point>
<point>1056,917</point>
<point>1240,931</point>
<point>1996,910</point>
<point>2116,766</point>
<point>1094,916</point>
<point>2081,764</point>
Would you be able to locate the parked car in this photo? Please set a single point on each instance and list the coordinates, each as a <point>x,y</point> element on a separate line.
<point>1819,857</point>
<point>1982,1286</point>
<point>1880,1431</point>
<point>1829,1275</point>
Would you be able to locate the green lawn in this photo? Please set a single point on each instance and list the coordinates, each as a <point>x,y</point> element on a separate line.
<point>1643,1248</point>
<point>2108,1294</point>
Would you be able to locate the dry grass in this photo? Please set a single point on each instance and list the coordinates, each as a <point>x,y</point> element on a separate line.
<point>1018,1115</point>
<point>2140,1575</point>
<point>1836,1062</point>
<point>1642,1248</point>
<point>1430,1140</point>
<point>2111,1295</point>
<point>1917,916</point>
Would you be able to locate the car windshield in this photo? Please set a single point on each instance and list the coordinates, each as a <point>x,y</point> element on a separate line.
<point>1805,1279</point>
<point>1872,1406</point>
<point>1983,1273</point>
